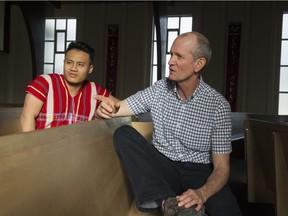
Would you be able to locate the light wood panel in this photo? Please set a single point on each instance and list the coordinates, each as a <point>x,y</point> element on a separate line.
<point>267,162</point>
<point>10,120</point>
<point>70,170</point>
<point>144,128</point>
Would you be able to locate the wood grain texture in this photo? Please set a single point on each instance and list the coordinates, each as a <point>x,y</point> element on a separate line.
<point>267,162</point>
<point>70,170</point>
<point>10,120</point>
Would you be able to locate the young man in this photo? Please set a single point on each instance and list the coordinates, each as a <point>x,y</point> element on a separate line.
<point>189,156</point>
<point>54,100</point>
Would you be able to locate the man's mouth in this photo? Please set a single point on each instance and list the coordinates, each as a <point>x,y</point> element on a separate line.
<point>171,70</point>
<point>73,75</point>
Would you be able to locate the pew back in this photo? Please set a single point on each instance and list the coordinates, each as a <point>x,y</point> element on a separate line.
<point>69,170</point>
<point>267,162</point>
<point>260,161</point>
<point>10,120</point>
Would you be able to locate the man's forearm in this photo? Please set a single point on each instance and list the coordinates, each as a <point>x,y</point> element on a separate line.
<point>214,183</point>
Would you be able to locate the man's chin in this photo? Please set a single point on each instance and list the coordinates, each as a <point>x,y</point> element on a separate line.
<point>172,78</point>
<point>74,83</point>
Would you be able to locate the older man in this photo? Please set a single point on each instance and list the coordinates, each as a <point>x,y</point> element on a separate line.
<point>187,164</point>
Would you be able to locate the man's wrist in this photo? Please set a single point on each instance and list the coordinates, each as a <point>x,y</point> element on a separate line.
<point>203,193</point>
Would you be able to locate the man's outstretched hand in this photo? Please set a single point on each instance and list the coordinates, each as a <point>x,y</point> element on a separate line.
<point>107,108</point>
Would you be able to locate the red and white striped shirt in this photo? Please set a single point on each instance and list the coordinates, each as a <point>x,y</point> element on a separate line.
<point>60,108</point>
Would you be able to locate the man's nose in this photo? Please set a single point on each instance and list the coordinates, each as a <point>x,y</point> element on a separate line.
<point>74,67</point>
<point>171,61</point>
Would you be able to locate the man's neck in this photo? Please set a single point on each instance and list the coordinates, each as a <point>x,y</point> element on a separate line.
<point>73,88</point>
<point>186,89</point>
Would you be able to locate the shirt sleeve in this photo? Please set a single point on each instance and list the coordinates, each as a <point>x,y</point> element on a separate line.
<point>101,91</point>
<point>221,136</point>
<point>143,101</point>
<point>39,88</point>
<point>139,102</point>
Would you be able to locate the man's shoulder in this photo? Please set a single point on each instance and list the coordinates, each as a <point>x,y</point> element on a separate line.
<point>95,87</point>
<point>212,92</point>
<point>163,84</point>
<point>49,76</point>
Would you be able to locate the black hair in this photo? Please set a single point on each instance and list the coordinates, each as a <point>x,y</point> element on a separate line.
<point>78,45</point>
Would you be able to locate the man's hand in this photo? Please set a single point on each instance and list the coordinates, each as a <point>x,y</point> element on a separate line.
<point>107,108</point>
<point>214,183</point>
<point>190,198</point>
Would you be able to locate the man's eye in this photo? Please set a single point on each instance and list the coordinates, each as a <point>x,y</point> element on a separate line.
<point>81,65</point>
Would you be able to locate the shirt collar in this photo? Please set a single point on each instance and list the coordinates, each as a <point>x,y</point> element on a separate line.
<point>197,91</point>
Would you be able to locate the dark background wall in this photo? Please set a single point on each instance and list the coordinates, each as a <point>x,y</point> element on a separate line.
<point>258,78</point>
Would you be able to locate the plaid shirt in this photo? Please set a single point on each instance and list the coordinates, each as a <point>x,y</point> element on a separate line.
<point>187,131</point>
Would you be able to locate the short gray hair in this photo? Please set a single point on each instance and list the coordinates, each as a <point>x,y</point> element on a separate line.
<point>202,48</point>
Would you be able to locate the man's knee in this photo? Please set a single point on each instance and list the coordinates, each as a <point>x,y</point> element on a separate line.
<point>124,135</point>
<point>123,130</point>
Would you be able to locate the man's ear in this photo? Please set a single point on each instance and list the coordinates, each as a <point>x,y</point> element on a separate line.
<point>200,64</point>
<point>91,69</point>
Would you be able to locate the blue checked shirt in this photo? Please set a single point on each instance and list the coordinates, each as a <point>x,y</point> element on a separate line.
<point>187,131</point>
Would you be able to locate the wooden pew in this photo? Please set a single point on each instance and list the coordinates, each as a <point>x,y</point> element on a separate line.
<point>70,170</point>
<point>260,161</point>
<point>52,172</point>
<point>144,128</point>
<point>10,120</point>
<point>267,163</point>
<point>48,172</point>
<point>281,167</point>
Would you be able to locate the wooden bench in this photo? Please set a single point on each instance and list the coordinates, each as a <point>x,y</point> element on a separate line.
<point>281,169</point>
<point>260,162</point>
<point>10,120</point>
<point>267,163</point>
<point>70,170</point>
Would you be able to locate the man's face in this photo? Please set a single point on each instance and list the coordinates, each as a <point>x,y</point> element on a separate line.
<point>181,64</point>
<point>76,67</point>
